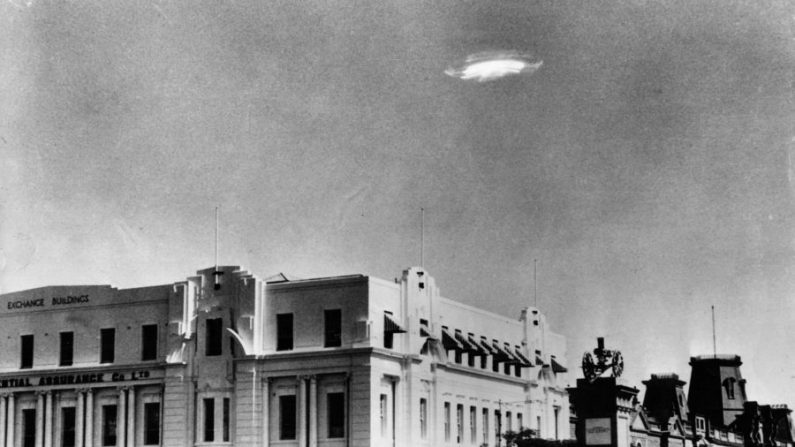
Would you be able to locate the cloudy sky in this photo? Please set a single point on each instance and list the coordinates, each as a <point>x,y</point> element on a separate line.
<point>646,164</point>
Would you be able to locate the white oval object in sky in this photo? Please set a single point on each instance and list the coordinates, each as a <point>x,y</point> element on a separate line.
<point>493,65</point>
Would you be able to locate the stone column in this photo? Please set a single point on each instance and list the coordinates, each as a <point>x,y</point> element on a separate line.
<point>301,396</point>
<point>79,419</point>
<point>312,411</point>
<point>49,419</point>
<point>266,408</point>
<point>89,437</point>
<point>11,421</point>
<point>120,419</point>
<point>131,417</point>
<point>39,419</point>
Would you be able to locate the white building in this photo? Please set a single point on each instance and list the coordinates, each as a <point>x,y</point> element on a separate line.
<point>224,358</point>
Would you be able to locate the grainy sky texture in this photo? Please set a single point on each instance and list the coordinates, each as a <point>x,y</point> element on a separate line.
<point>646,164</point>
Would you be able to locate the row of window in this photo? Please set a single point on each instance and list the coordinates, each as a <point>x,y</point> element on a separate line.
<point>473,423</point>
<point>332,330</point>
<point>107,346</point>
<point>335,412</point>
<point>110,416</point>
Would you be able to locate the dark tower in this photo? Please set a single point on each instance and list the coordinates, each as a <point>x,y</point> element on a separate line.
<point>665,397</point>
<point>717,389</point>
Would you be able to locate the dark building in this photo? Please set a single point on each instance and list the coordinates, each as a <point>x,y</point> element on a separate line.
<point>715,413</point>
<point>717,389</point>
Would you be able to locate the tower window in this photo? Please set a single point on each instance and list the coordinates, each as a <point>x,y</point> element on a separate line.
<point>213,336</point>
<point>729,385</point>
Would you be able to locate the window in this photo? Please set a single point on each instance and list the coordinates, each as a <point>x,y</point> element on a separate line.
<point>107,342</point>
<point>333,326</point>
<point>152,423</point>
<point>557,422</point>
<point>67,349</point>
<point>497,426</point>
<point>506,368</point>
<point>701,424</point>
<point>459,423</point>
<point>424,418</point>
<point>29,428</point>
<point>508,421</point>
<point>383,414</point>
<point>485,426</point>
<point>538,425</point>
<point>225,434</point>
<point>729,385</point>
<point>473,425</point>
<point>284,332</point>
<point>519,422</point>
<point>484,362</point>
<point>109,414</point>
<point>335,404</point>
<point>68,427</point>
<point>149,342</point>
<point>287,414</point>
<point>27,351</point>
<point>213,336</point>
<point>209,419</point>
<point>447,421</point>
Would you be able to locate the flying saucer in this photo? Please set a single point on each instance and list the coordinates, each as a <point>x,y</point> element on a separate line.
<point>492,65</point>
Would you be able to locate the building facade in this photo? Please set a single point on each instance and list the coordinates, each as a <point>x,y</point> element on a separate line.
<point>226,358</point>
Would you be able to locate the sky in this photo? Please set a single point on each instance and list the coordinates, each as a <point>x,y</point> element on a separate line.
<point>645,165</point>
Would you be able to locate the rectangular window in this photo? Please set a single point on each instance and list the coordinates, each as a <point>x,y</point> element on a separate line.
<point>336,415</point>
<point>68,427</point>
<point>508,421</point>
<point>107,343</point>
<point>383,414</point>
<point>497,426</point>
<point>152,423</point>
<point>557,415</point>
<point>284,332</point>
<point>485,425</point>
<point>109,415</point>
<point>538,426</point>
<point>484,361</point>
<point>506,368</point>
<point>424,418</point>
<point>519,422</point>
<point>333,327</point>
<point>459,423</point>
<point>209,419</point>
<point>213,336</point>
<point>67,349</point>
<point>287,415</point>
<point>447,421</point>
<point>29,428</point>
<point>226,420</point>
<point>27,351</point>
<point>149,342</point>
<point>473,425</point>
